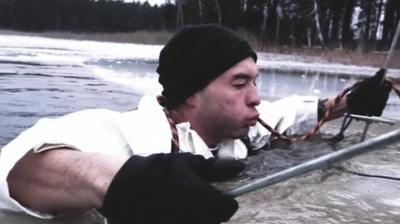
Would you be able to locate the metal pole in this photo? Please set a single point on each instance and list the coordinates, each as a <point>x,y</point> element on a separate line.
<point>364,133</point>
<point>393,46</point>
<point>318,163</point>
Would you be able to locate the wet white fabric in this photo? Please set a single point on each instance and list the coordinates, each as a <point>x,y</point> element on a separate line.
<point>142,132</point>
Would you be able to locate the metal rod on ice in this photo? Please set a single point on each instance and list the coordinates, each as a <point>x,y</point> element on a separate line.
<point>318,163</point>
<point>392,47</point>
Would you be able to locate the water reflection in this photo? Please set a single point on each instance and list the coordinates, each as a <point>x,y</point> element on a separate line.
<point>277,83</point>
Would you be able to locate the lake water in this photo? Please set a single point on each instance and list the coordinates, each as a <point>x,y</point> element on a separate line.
<point>30,90</point>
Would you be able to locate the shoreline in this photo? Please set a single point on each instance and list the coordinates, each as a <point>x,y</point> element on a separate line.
<point>356,57</point>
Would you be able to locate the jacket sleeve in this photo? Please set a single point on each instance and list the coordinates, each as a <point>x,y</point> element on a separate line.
<point>88,130</point>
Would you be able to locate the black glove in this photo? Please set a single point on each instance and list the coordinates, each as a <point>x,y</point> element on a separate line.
<point>370,96</point>
<point>170,188</point>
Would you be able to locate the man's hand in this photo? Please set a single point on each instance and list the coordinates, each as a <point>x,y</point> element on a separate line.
<point>370,96</point>
<point>170,188</point>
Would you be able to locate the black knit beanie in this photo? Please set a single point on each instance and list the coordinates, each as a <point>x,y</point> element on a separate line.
<point>194,57</point>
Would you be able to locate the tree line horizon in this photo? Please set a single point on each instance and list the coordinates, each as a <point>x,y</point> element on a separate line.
<point>349,24</point>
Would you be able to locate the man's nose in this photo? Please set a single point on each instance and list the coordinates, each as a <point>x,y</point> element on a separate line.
<point>254,98</point>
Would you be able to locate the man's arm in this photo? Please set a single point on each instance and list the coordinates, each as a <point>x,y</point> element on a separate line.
<point>62,180</point>
<point>125,190</point>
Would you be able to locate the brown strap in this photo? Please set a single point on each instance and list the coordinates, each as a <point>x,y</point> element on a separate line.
<point>175,139</point>
<point>395,87</point>
<point>172,123</point>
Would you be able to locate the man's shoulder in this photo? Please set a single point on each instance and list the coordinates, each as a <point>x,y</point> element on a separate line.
<point>93,112</point>
<point>82,117</point>
<point>146,129</point>
<point>96,111</point>
<point>149,103</point>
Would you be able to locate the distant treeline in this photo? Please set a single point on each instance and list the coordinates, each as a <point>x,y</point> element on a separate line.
<point>370,24</point>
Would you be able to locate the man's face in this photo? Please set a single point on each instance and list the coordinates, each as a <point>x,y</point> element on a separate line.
<point>227,104</point>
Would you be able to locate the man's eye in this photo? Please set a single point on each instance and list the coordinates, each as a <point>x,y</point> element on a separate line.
<point>239,84</point>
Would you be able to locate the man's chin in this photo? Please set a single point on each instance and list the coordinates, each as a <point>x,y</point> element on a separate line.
<point>241,133</point>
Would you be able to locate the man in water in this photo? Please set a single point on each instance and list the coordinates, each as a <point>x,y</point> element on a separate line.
<point>153,164</point>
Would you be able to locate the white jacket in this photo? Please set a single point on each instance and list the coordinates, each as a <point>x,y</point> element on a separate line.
<point>143,132</point>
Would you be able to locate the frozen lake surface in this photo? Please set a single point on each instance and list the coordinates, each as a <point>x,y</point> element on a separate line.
<point>41,77</point>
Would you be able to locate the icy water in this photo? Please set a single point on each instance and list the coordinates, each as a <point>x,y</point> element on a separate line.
<point>39,82</point>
